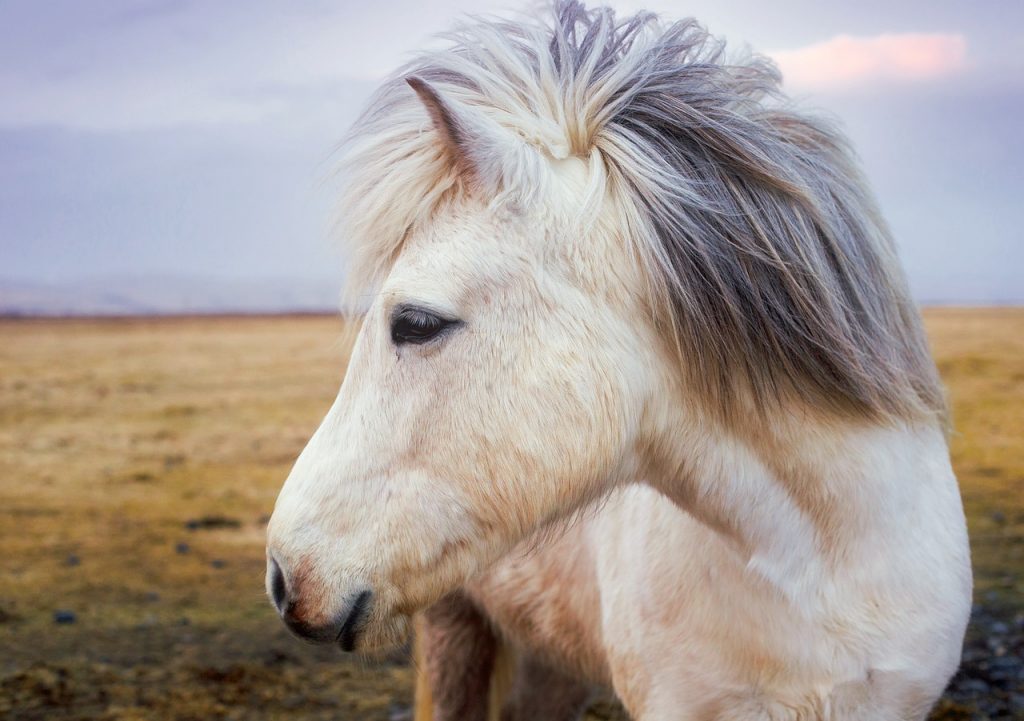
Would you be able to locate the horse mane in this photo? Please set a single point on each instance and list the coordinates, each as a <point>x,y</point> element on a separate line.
<point>771,266</point>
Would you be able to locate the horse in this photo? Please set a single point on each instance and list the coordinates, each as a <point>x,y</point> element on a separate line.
<point>639,369</point>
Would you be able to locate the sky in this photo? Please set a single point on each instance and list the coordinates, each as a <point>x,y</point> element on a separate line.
<point>169,137</point>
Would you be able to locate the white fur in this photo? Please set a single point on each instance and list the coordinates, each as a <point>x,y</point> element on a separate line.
<point>766,623</point>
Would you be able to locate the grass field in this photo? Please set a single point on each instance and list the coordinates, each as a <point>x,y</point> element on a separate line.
<point>139,460</point>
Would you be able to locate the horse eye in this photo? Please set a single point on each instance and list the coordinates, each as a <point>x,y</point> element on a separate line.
<point>417,325</point>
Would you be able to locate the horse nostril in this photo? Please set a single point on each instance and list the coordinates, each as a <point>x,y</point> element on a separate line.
<point>277,587</point>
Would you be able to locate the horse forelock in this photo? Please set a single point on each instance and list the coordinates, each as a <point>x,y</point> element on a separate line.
<point>771,268</point>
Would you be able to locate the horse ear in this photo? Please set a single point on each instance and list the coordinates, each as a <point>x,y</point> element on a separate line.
<point>487,155</point>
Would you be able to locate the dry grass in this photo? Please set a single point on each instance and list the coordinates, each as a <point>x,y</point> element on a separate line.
<point>114,435</point>
<point>980,354</point>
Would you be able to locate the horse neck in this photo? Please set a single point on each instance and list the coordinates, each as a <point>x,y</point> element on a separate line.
<point>797,497</point>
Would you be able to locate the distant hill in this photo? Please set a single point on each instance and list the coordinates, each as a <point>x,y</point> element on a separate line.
<point>114,295</point>
<point>166,295</point>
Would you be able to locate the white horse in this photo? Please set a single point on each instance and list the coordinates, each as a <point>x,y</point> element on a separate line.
<point>596,251</point>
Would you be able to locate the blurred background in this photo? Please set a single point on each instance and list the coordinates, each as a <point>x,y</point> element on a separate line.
<point>168,283</point>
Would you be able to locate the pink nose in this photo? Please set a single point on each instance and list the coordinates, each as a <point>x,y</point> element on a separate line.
<point>343,629</point>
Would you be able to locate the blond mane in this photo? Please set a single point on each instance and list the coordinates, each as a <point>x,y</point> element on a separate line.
<point>770,264</point>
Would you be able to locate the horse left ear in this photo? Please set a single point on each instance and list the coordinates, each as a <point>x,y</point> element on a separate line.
<point>488,156</point>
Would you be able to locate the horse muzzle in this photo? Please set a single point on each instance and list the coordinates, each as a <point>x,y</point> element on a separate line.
<point>300,614</point>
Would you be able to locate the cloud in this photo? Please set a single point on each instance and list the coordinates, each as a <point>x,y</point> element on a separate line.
<point>846,61</point>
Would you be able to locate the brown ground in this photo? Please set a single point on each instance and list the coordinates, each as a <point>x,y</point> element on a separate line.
<point>138,462</point>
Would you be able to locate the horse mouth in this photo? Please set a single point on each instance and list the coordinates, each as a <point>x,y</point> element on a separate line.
<point>374,632</point>
<point>351,628</point>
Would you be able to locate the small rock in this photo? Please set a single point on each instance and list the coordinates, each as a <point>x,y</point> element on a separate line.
<point>999,628</point>
<point>72,560</point>
<point>218,563</point>
<point>999,517</point>
<point>1003,662</point>
<point>182,548</point>
<point>152,597</point>
<point>64,617</point>
<point>399,712</point>
<point>994,645</point>
<point>974,686</point>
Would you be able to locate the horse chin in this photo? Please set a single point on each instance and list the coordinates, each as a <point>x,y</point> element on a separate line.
<point>380,635</point>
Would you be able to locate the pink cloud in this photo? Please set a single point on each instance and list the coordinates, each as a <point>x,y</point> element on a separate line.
<point>846,61</point>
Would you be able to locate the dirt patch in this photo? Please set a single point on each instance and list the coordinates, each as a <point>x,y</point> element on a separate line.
<point>208,522</point>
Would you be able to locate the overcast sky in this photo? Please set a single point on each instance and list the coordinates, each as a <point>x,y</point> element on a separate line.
<point>177,137</point>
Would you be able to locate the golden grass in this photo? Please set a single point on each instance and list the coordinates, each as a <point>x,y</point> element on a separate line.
<point>115,434</point>
<point>980,354</point>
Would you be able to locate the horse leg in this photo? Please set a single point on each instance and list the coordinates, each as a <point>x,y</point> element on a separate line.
<point>465,673</point>
<point>542,693</point>
<point>456,653</point>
